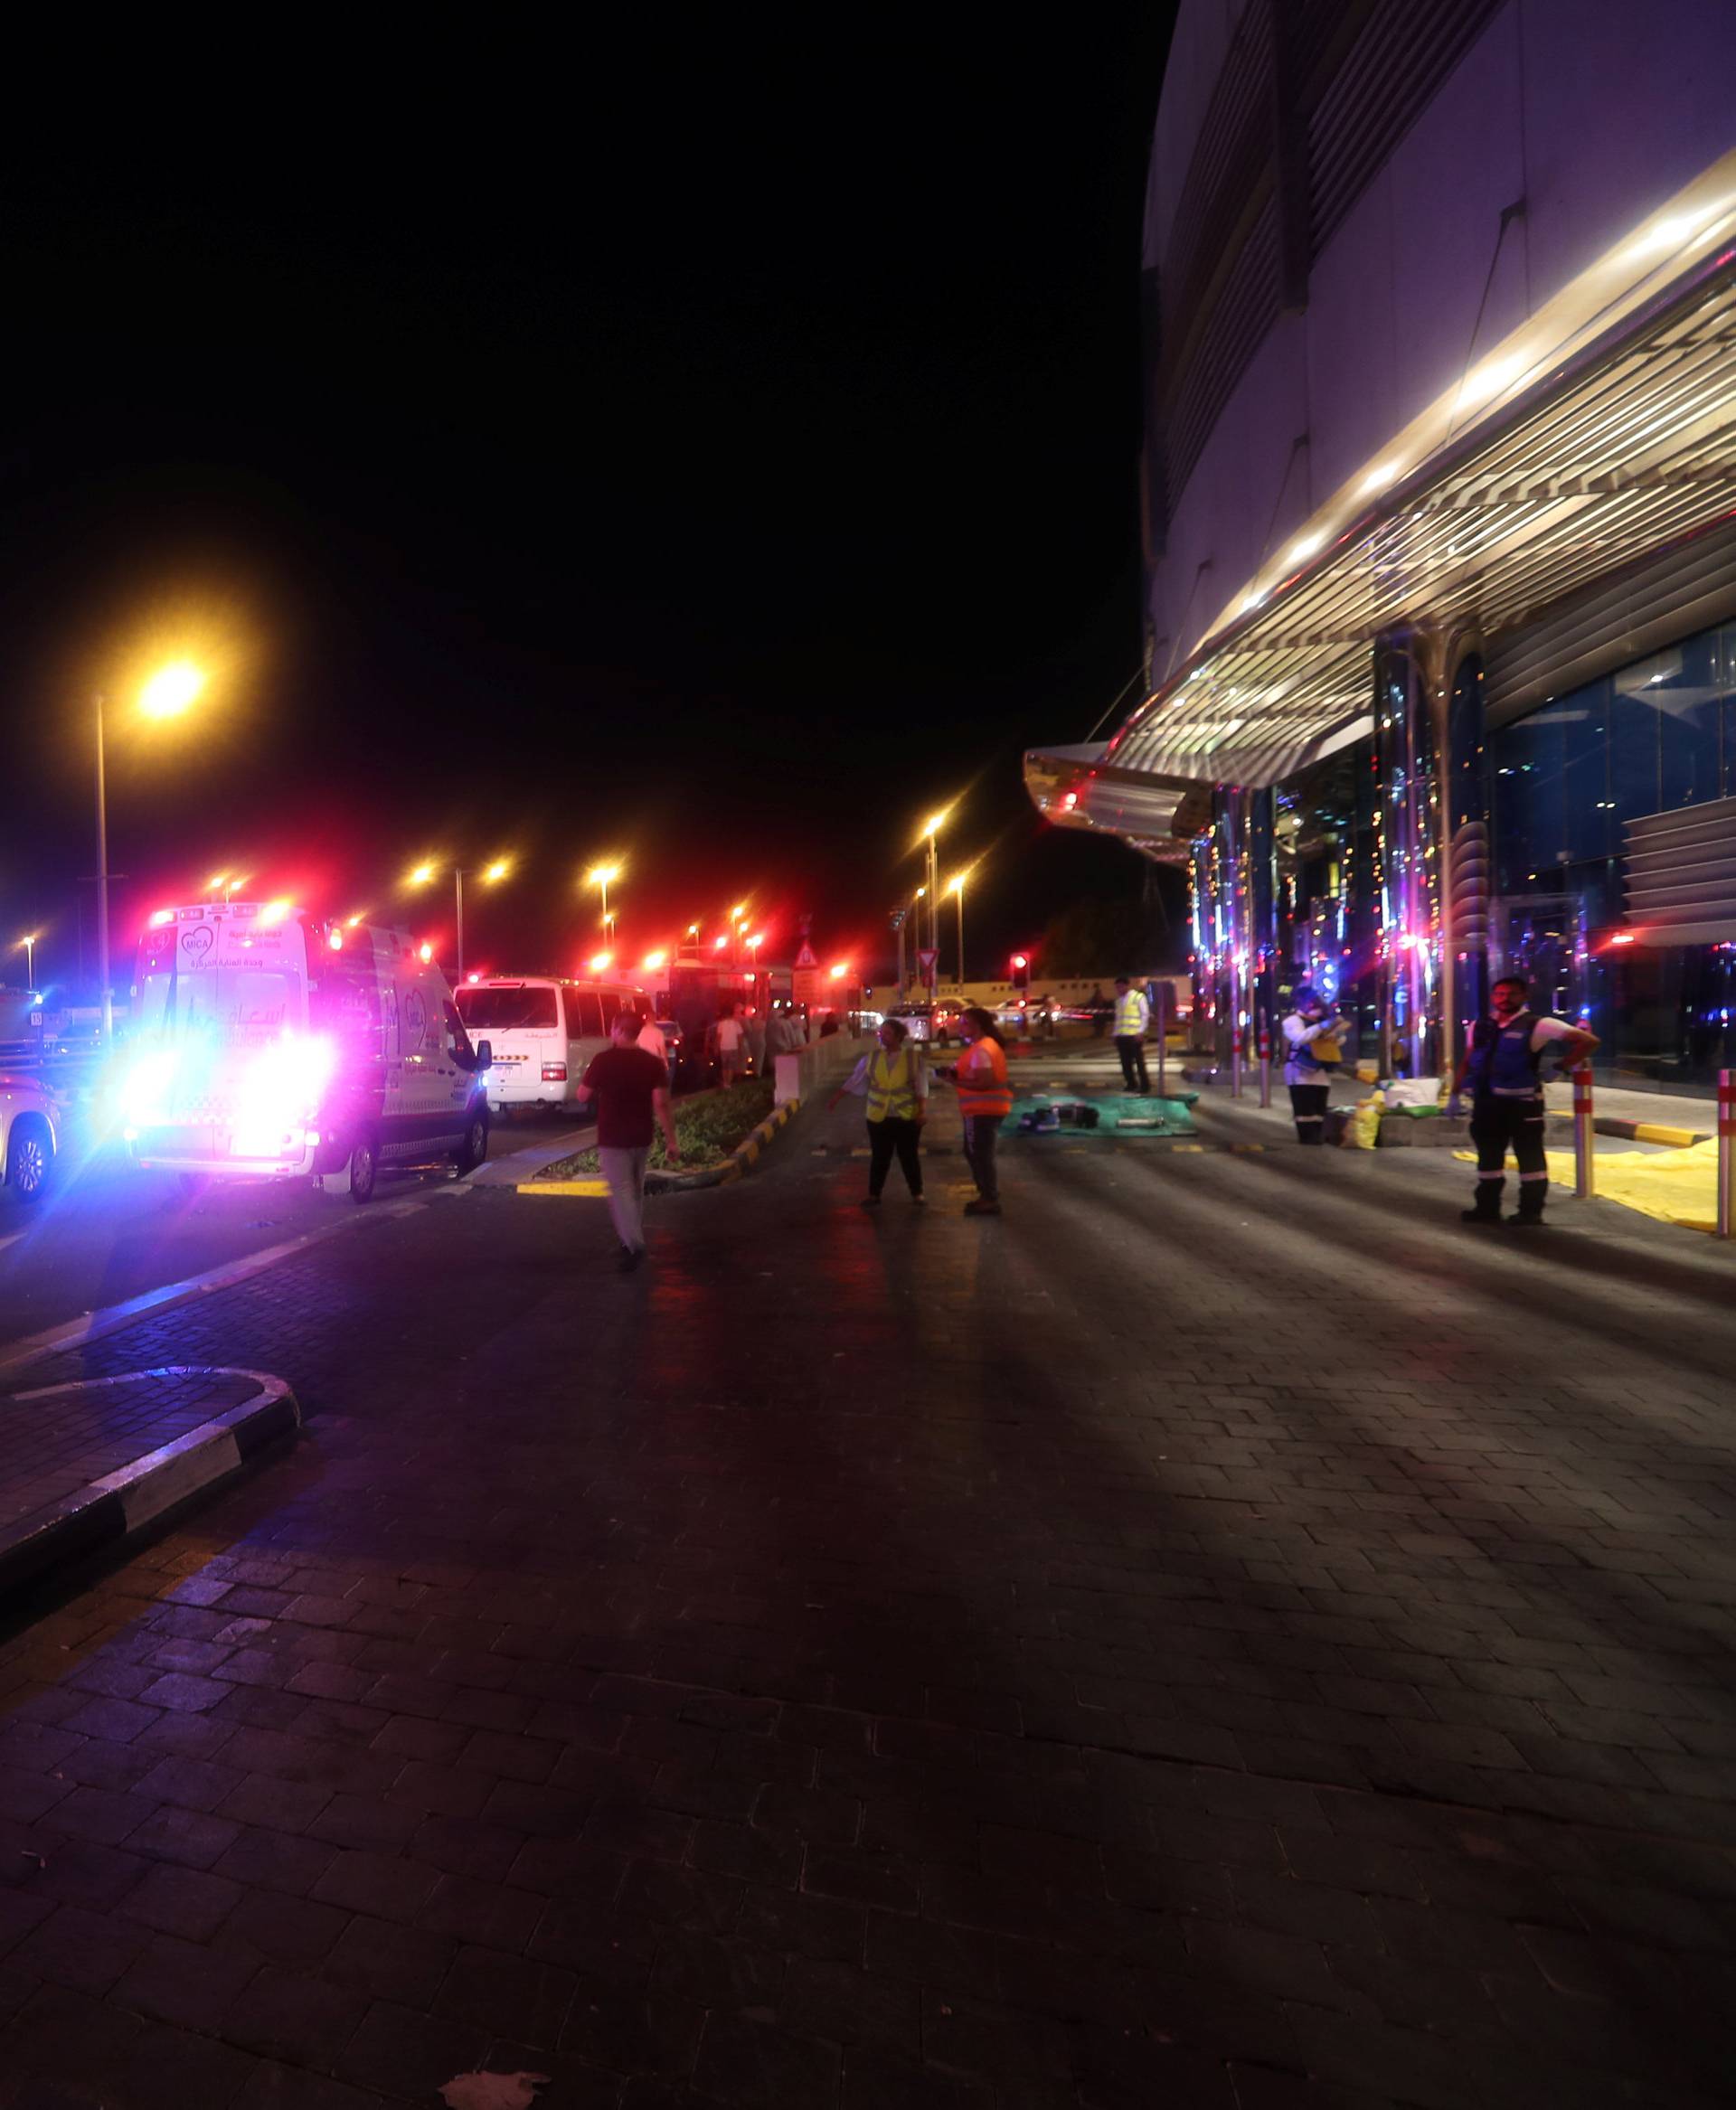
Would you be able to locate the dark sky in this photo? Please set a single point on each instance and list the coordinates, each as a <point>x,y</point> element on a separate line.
<point>716,449</point>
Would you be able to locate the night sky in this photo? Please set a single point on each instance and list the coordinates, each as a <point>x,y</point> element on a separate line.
<point>717,449</point>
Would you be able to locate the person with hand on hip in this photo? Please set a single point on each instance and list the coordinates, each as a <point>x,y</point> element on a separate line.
<point>1504,1072</point>
<point>891,1078</point>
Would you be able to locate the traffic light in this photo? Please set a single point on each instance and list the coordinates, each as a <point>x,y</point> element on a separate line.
<point>1021,971</point>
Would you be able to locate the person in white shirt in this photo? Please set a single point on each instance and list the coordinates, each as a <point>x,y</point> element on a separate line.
<point>1313,1041</point>
<point>731,1046</point>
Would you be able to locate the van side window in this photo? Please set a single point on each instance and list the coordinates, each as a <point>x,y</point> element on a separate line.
<point>612,1005</point>
<point>584,1015</point>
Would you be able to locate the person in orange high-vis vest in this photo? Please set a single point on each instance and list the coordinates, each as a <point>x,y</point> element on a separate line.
<point>984,1099</point>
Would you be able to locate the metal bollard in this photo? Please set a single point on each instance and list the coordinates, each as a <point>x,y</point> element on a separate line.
<point>1727,1153</point>
<point>1235,1057</point>
<point>1264,1044</point>
<point>1585,1181</point>
<point>1161,994</point>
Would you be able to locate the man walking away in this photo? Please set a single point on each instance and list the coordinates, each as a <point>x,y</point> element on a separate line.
<point>1132,1016</point>
<point>1311,1042</point>
<point>891,1078</point>
<point>631,1088</point>
<point>984,1100</point>
<point>1504,1072</point>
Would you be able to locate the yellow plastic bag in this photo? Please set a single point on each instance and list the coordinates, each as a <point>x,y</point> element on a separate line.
<point>1362,1130</point>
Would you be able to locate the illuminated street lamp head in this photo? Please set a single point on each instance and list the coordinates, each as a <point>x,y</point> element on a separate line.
<point>921,893</point>
<point>739,914</point>
<point>171,690</point>
<point>602,875</point>
<point>692,930</point>
<point>934,823</point>
<point>496,872</point>
<point>653,961</point>
<point>840,971</point>
<point>421,874</point>
<point>956,884</point>
<point>756,941</point>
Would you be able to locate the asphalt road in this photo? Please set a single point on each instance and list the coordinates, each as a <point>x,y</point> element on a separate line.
<point>109,1233</point>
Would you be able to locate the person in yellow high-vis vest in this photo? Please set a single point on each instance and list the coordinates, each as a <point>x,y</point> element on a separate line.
<point>891,1078</point>
<point>1132,1016</point>
<point>984,1099</point>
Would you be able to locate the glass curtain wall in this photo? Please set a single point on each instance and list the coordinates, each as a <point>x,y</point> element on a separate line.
<point>1651,737</point>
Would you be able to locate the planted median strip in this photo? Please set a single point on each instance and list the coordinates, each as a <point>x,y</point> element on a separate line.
<point>720,1133</point>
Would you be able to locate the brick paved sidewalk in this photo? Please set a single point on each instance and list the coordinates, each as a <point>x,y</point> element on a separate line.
<point>1218,1634</point>
<point>55,1442</point>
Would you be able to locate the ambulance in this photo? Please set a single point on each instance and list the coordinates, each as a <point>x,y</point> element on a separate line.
<point>265,1042</point>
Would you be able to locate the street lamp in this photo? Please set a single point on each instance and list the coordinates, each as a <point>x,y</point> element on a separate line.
<point>931,827</point>
<point>490,875</point>
<point>600,875</point>
<point>956,887</point>
<point>170,691</point>
<point>28,946</point>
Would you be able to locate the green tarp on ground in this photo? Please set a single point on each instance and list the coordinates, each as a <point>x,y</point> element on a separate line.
<point>1108,1114</point>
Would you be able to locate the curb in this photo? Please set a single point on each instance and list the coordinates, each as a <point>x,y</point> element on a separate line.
<point>1625,1131</point>
<point>127,1502</point>
<point>734,1167</point>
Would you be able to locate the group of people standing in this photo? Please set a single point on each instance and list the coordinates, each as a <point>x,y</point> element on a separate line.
<point>1503,1072</point>
<point>893,1081</point>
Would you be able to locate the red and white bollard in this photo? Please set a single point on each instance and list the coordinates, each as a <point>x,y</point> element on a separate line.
<point>1727,1153</point>
<point>1264,1043</point>
<point>1585,1181</point>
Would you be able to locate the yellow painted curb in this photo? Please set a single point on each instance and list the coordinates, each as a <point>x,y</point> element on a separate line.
<point>592,1189</point>
<point>1651,1132</point>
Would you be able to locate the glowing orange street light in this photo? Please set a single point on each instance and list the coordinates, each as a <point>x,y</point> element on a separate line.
<point>718,944</point>
<point>600,963</point>
<point>653,961</point>
<point>840,971</point>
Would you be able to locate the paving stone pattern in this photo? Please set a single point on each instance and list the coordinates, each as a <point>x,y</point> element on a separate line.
<point>50,1448</point>
<point>1220,1634</point>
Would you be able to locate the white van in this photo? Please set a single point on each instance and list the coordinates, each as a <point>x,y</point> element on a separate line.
<point>543,1033</point>
<point>264,1042</point>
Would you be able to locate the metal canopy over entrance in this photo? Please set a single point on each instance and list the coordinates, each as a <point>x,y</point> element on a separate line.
<point>1599,433</point>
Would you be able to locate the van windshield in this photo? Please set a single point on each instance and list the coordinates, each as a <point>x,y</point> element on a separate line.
<point>506,1010</point>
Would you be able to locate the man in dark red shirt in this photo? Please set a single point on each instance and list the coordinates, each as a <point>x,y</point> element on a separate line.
<point>631,1088</point>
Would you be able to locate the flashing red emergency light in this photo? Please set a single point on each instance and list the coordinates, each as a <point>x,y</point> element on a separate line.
<point>1622,937</point>
<point>425,952</point>
<point>159,916</point>
<point>334,938</point>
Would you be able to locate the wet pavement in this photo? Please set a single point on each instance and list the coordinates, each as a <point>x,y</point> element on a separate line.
<point>1220,1634</point>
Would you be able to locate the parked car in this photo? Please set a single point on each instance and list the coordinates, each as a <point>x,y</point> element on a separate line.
<point>30,1135</point>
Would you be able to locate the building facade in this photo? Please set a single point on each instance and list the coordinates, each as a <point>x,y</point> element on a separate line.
<point>1439,489</point>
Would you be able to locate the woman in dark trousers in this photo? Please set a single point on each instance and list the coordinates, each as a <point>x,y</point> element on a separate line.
<point>1311,1037</point>
<point>891,1078</point>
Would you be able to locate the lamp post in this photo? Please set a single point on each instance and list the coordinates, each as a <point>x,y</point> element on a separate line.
<point>168,692</point>
<point>490,874</point>
<point>931,827</point>
<point>957,889</point>
<point>28,946</point>
<point>600,875</point>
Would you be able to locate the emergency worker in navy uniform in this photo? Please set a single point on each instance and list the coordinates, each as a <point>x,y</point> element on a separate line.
<point>1504,1073</point>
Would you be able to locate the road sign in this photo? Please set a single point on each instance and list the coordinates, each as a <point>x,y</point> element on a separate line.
<point>927,955</point>
<point>805,957</point>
